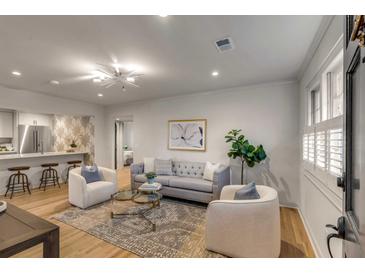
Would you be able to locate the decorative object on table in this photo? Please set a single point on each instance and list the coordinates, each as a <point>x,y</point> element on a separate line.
<point>151,177</point>
<point>209,170</point>
<point>150,187</point>
<point>243,150</point>
<point>187,134</point>
<point>3,206</point>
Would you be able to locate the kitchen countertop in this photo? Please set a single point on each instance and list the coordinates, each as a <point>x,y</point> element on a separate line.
<point>37,155</point>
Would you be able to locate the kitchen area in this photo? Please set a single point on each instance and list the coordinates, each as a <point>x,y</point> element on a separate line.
<point>35,139</point>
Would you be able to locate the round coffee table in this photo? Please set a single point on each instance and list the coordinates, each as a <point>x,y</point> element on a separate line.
<point>150,198</point>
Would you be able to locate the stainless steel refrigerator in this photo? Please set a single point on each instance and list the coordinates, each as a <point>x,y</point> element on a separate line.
<point>34,139</point>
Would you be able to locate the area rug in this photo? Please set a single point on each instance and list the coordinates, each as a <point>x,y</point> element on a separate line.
<point>180,229</point>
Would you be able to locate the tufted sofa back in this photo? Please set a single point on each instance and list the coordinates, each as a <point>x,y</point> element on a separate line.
<point>188,169</point>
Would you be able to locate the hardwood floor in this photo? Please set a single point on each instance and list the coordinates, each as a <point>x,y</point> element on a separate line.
<point>76,243</point>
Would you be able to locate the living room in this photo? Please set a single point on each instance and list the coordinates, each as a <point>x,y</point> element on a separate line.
<point>179,136</point>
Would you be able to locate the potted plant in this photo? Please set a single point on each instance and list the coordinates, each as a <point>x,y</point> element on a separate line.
<point>150,177</point>
<point>243,150</point>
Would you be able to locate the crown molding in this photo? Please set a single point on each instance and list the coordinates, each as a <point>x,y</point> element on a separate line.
<point>324,25</point>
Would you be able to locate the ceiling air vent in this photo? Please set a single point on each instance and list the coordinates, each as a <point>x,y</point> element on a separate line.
<point>225,44</point>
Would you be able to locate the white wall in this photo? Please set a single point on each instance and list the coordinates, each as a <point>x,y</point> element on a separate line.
<point>267,114</point>
<point>319,205</point>
<point>28,101</point>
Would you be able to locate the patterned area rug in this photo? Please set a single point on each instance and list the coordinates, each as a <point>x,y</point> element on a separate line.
<point>179,233</point>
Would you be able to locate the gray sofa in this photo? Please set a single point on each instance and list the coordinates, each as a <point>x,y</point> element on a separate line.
<point>187,181</point>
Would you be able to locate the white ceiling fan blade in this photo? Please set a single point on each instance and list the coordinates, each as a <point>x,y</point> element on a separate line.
<point>129,83</point>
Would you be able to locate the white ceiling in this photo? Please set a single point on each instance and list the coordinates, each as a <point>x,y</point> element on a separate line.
<point>176,53</point>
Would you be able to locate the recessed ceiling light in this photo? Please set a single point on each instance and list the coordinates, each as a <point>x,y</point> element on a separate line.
<point>130,79</point>
<point>54,82</point>
<point>163,15</point>
<point>96,80</point>
<point>100,95</point>
<point>215,73</point>
<point>16,73</point>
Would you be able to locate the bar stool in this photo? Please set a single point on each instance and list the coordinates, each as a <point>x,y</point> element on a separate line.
<point>73,164</point>
<point>21,178</point>
<point>49,175</point>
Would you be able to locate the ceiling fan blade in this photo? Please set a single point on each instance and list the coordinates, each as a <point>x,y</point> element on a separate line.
<point>109,85</point>
<point>129,83</point>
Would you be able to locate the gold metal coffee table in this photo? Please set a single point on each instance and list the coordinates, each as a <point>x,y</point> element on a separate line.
<point>149,198</point>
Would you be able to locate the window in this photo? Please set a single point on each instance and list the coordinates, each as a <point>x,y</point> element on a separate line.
<point>335,147</point>
<point>314,106</point>
<point>323,137</point>
<point>321,149</point>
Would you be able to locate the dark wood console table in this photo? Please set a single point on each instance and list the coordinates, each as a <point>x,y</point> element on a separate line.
<point>20,230</point>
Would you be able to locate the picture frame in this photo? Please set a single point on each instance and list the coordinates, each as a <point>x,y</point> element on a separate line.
<point>188,135</point>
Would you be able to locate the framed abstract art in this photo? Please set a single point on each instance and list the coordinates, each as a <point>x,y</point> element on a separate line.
<point>187,134</point>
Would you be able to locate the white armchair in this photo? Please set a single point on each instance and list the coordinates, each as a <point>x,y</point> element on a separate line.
<point>84,195</point>
<point>244,228</point>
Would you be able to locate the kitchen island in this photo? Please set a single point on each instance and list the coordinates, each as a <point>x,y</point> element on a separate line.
<point>34,161</point>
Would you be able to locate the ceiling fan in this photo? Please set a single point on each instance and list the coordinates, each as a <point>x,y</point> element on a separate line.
<point>109,76</point>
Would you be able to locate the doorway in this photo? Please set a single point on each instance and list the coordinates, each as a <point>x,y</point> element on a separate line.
<point>123,143</point>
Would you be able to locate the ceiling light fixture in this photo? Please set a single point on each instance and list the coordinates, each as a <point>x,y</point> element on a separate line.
<point>100,95</point>
<point>131,79</point>
<point>16,73</point>
<point>54,82</point>
<point>116,74</point>
<point>215,73</point>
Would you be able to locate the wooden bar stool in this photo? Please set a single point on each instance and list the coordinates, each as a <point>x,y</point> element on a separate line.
<point>49,175</point>
<point>18,180</point>
<point>72,164</point>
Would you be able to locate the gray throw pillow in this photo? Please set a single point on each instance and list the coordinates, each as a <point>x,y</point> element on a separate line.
<point>163,167</point>
<point>248,192</point>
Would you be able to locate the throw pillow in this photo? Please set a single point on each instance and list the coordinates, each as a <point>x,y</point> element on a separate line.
<point>149,164</point>
<point>248,192</point>
<point>90,173</point>
<point>163,167</point>
<point>209,171</point>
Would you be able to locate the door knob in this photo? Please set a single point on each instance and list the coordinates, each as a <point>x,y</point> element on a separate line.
<point>339,232</point>
<point>341,181</point>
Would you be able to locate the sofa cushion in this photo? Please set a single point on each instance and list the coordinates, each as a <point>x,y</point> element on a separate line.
<point>149,164</point>
<point>191,183</point>
<point>99,191</point>
<point>209,170</point>
<point>248,192</point>
<point>163,167</point>
<point>188,169</point>
<point>163,180</point>
<point>90,173</point>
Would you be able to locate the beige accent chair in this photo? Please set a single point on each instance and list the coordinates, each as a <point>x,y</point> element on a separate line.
<point>244,228</point>
<point>84,195</point>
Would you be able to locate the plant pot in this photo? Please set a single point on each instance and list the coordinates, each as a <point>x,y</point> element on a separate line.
<point>150,181</point>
